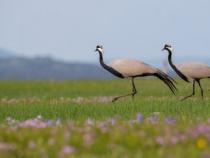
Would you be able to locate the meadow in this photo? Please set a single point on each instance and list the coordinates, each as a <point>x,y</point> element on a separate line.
<point>78,119</point>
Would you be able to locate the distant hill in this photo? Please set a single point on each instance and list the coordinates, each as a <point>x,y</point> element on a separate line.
<point>6,54</point>
<point>45,68</point>
<point>48,69</point>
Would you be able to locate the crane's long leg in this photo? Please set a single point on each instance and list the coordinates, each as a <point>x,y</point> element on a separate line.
<point>198,81</point>
<point>134,91</point>
<point>193,93</point>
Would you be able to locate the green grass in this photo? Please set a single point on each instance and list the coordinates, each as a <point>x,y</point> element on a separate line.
<point>53,99</point>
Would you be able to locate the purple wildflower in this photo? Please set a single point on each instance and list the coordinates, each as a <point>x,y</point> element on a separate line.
<point>170,120</point>
<point>203,128</point>
<point>6,146</point>
<point>153,119</point>
<point>49,122</point>
<point>139,117</point>
<point>67,149</point>
<point>33,123</point>
<point>88,138</point>
<point>160,140</point>
<point>174,140</point>
<point>111,121</point>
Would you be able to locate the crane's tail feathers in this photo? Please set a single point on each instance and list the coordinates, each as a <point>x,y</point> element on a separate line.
<point>182,76</point>
<point>167,80</point>
<point>167,76</point>
<point>179,73</point>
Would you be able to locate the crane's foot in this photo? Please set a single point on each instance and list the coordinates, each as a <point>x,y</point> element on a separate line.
<point>115,99</point>
<point>186,97</point>
<point>119,97</point>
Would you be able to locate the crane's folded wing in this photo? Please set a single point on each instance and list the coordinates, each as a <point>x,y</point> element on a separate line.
<point>129,67</point>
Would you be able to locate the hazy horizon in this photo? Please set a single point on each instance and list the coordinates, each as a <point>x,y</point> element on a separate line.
<point>69,30</point>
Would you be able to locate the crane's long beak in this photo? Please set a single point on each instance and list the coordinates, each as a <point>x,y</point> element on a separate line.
<point>163,49</point>
<point>95,50</point>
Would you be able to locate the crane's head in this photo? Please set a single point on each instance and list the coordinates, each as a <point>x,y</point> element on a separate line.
<point>167,47</point>
<point>99,48</point>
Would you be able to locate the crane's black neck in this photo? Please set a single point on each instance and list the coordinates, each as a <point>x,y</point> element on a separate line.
<point>108,68</point>
<point>174,67</point>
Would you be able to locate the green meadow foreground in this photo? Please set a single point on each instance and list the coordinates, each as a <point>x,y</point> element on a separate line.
<point>77,119</point>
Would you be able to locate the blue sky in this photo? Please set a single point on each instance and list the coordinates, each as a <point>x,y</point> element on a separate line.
<point>70,29</point>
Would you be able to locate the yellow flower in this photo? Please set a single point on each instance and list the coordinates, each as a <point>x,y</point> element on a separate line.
<point>201,143</point>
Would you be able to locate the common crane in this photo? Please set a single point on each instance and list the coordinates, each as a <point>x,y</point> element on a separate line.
<point>127,68</point>
<point>194,70</point>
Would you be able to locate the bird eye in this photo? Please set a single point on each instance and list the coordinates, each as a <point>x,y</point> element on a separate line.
<point>99,46</point>
<point>167,45</point>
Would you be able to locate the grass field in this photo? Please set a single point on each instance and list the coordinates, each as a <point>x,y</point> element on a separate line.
<point>77,119</point>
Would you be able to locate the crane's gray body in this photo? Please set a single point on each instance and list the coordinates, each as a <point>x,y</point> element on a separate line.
<point>194,70</point>
<point>130,67</point>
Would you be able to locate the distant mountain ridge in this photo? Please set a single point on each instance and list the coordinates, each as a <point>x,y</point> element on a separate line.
<point>48,69</point>
<point>6,54</point>
<point>45,68</point>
